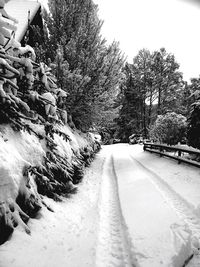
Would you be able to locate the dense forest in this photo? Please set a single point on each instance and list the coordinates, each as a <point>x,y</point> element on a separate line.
<point>156,102</point>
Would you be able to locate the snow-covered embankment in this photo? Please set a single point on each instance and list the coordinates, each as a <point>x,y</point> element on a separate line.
<point>47,161</point>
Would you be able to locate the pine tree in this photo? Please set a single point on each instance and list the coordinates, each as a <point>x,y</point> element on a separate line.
<point>153,86</point>
<point>130,119</point>
<point>167,81</point>
<point>193,134</point>
<point>88,68</point>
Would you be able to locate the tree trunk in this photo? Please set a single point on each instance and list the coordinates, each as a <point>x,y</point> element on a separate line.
<point>144,119</point>
<point>159,101</point>
<point>150,109</point>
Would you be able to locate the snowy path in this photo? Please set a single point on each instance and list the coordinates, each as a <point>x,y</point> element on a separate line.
<point>133,208</point>
<point>113,245</point>
<point>183,208</point>
<point>164,223</point>
<point>153,225</point>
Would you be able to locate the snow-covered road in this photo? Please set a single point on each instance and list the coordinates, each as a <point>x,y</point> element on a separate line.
<point>133,208</point>
<point>159,200</point>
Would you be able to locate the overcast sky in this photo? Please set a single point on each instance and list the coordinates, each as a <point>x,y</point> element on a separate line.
<point>152,24</point>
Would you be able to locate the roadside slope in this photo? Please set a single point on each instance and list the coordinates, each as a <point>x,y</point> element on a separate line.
<point>66,237</point>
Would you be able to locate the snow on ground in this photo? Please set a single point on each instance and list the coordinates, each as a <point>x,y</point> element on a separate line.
<point>159,221</point>
<point>133,208</point>
<point>113,244</point>
<point>183,178</point>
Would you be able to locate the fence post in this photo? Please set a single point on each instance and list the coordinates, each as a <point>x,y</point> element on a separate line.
<point>161,150</point>
<point>179,156</point>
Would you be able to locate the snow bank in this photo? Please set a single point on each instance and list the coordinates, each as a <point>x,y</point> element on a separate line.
<point>66,237</point>
<point>20,154</point>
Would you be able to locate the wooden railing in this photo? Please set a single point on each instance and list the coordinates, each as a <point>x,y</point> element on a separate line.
<point>175,152</point>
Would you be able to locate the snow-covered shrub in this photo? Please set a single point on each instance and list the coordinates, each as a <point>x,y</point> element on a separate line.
<point>169,128</point>
<point>49,161</point>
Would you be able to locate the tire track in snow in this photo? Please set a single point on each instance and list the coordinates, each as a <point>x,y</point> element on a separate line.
<point>113,247</point>
<point>185,210</point>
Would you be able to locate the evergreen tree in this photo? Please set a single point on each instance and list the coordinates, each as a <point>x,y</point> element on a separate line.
<point>129,120</point>
<point>167,81</point>
<point>86,66</point>
<point>194,116</point>
<point>143,77</point>
<point>153,86</point>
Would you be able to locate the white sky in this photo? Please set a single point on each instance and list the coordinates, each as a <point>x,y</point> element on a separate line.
<point>137,24</point>
<point>152,24</point>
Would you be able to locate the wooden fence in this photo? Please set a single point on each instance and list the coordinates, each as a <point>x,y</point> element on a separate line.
<point>178,153</point>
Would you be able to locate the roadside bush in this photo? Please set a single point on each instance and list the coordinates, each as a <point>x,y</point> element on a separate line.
<point>169,128</point>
